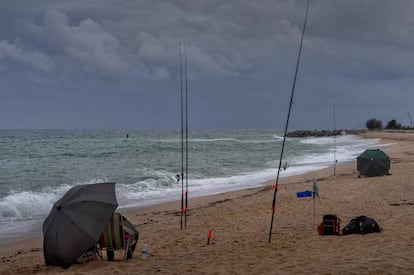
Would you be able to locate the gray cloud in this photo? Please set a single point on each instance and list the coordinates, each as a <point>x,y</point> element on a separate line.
<point>123,55</point>
<point>87,43</point>
<point>36,60</point>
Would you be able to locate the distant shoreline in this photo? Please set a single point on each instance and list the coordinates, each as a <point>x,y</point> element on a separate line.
<point>337,132</point>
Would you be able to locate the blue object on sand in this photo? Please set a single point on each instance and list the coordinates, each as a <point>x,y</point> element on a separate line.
<point>303,194</point>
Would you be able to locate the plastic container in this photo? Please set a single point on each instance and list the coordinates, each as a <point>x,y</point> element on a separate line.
<point>144,254</point>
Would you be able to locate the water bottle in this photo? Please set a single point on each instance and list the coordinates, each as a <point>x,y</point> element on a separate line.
<point>144,255</point>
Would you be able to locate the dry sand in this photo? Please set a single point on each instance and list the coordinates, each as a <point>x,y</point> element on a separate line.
<point>240,222</point>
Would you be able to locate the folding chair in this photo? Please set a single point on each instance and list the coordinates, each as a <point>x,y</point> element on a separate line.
<point>119,233</point>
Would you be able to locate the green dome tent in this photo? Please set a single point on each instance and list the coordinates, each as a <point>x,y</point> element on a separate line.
<point>372,163</point>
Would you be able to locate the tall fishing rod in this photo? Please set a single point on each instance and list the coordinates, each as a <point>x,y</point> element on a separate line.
<point>186,137</point>
<point>334,141</point>
<point>276,186</point>
<point>182,133</point>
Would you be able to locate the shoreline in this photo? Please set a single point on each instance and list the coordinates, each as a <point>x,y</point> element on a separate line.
<point>289,179</point>
<point>31,226</point>
<point>240,221</point>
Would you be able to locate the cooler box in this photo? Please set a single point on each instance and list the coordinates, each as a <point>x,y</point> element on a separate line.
<point>304,194</point>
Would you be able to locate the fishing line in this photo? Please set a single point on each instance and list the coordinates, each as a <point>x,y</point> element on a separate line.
<point>276,186</point>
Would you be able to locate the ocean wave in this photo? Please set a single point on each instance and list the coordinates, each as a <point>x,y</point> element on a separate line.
<point>28,204</point>
<point>195,140</point>
<point>258,141</point>
<point>278,137</point>
<point>211,139</point>
<point>25,205</point>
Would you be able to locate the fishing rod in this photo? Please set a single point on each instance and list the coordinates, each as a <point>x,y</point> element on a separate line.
<point>276,186</point>
<point>182,133</point>
<point>186,137</point>
<point>334,137</point>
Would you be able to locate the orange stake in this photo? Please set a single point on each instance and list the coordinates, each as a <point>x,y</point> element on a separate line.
<point>209,236</point>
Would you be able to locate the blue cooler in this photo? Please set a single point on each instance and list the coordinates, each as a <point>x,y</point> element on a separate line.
<point>303,194</point>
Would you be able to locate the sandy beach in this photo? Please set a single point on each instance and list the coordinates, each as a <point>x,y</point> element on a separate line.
<point>240,223</point>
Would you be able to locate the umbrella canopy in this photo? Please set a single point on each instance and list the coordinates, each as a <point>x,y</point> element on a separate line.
<point>76,221</point>
<point>372,163</point>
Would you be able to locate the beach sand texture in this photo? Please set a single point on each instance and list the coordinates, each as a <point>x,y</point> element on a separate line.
<point>240,223</point>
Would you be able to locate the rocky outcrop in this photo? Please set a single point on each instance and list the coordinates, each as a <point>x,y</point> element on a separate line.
<point>324,133</point>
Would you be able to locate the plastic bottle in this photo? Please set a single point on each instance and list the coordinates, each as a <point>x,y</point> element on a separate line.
<point>144,255</point>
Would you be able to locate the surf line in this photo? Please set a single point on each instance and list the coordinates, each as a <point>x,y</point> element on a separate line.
<point>184,135</point>
<point>276,186</point>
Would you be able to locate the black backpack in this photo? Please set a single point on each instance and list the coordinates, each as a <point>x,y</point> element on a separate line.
<point>361,225</point>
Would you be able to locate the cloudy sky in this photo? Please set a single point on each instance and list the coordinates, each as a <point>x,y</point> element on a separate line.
<point>115,63</point>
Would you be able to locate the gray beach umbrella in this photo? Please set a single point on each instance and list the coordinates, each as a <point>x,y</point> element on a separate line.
<point>373,163</point>
<point>76,221</point>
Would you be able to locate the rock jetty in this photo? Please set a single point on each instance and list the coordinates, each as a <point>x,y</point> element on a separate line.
<point>323,133</point>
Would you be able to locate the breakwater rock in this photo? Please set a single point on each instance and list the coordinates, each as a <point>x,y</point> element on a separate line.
<point>324,133</point>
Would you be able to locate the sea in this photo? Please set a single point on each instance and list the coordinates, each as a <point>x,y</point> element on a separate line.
<point>37,167</point>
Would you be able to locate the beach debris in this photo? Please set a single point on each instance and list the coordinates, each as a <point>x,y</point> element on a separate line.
<point>403,203</point>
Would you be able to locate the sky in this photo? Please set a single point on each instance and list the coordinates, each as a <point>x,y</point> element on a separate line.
<point>115,63</point>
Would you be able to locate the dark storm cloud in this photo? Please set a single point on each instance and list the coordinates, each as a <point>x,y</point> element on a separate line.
<point>115,63</point>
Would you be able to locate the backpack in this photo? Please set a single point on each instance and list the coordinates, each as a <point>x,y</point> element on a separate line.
<point>330,225</point>
<point>361,225</point>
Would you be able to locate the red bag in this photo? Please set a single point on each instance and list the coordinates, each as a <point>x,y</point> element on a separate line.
<point>330,225</point>
<point>320,229</point>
